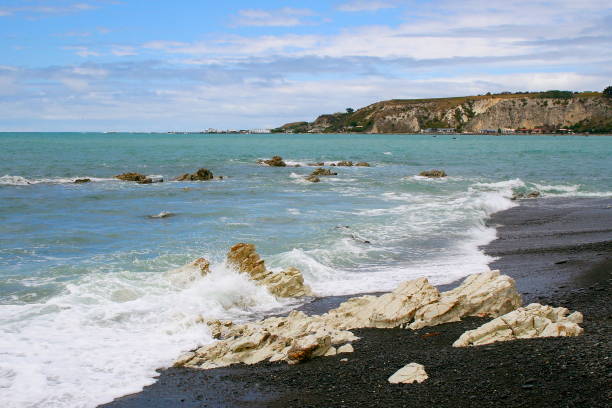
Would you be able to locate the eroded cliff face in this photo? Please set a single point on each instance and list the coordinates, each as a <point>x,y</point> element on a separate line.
<point>471,114</point>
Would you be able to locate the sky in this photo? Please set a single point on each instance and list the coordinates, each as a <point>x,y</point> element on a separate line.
<point>161,65</point>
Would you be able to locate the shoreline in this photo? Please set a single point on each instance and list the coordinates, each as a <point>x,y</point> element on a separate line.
<point>559,252</point>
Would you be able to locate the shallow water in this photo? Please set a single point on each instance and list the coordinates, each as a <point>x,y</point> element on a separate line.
<point>86,311</point>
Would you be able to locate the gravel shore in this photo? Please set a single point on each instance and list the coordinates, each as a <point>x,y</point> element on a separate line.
<point>559,250</point>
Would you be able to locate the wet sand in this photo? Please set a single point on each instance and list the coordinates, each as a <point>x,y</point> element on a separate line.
<point>560,253</point>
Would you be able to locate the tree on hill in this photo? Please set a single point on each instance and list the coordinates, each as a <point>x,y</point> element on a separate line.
<point>608,92</point>
<point>350,110</point>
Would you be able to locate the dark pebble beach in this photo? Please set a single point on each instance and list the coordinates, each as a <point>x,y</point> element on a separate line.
<point>559,251</point>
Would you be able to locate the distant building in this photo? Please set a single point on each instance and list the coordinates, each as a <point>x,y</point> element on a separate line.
<point>439,130</point>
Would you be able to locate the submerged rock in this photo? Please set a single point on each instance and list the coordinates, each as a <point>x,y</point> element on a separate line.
<point>534,194</point>
<point>528,322</point>
<point>137,177</point>
<point>187,274</point>
<point>520,196</point>
<point>200,175</point>
<point>163,214</point>
<point>81,181</point>
<point>318,164</point>
<point>345,163</point>
<point>323,172</point>
<point>409,374</point>
<point>287,283</point>
<point>433,173</point>
<point>363,164</point>
<point>313,179</point>
<point>275,161</point>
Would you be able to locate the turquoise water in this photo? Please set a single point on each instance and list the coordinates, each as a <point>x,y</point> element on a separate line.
<point>82,267</point>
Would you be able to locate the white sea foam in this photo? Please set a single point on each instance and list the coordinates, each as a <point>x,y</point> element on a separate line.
<point>107,333</point>
<point>22,181</point>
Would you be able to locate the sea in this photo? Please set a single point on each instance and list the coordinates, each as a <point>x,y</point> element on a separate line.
<point>88,312</point>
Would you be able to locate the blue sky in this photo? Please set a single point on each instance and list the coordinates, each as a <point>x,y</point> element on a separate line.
<point>156,65</point>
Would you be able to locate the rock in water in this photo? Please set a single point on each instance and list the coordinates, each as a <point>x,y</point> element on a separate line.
<point>363,164</point>
<point>81,181</point>
<point>534,194</point>
<point>313,179</point>
<point>163,214</point>
<point>323,172</point>
<point>200,175</point>
<point>528,322</point>
<point>137,177</point>
<point>275,161</point>
<point>317,164</point>
<point>433,173</point>
<point>187,274</point>
<point>287,283</point>
<point>409,374</point>
<point>345,163</point>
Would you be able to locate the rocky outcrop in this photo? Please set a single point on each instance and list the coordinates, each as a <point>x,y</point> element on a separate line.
<point>520,196</point>
<point>137,177</point>
<point>485,294</point>
<point>344,163</point>
<point>200,175</point>
<point>409,374</point>
<point>187,274</point>
<point>323,172</point>
<point>275,161</point>
<point>528,322</point>
<point>469,113</point>
<point>287,283</point>
<point>299,337</point>
<point>433,173</point>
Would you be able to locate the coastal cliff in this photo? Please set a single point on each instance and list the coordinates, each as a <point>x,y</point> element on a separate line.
<point>542,112</point>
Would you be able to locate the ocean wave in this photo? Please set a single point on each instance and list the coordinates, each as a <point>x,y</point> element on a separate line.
<point>105,336</point>
<point>9,180</point>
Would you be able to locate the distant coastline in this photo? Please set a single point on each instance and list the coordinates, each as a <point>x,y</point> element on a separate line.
<point>551,112</point>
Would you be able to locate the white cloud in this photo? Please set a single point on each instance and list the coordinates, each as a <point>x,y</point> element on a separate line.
<point>82,51</point>
<point>284,17</point>
<point>366,5</point>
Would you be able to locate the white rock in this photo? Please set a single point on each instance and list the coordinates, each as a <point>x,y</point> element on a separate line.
<point>187,274</point>
<point>287,283</point>
<point>409,374</point>
<point>299,337</point>
<point>528,322</point>
<point>347,348</point>
<point>484,294</point>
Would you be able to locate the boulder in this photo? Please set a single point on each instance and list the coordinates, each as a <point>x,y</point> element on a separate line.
<point>200,175</point>
<point>484,294</point>
<point>313,179</point>
<point>433,173</point>
<point>288,283</point>
<point>137,177</point>
<point>528,322</point>
<point>534,194</point>
<point>363,164</point>
<point>323,172</point>
<point>187,274</point>
<point>347,348</point>
<point>409,374</point>
<point>345,163</point>
<point>81,181</point>
<point>275,161</point>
